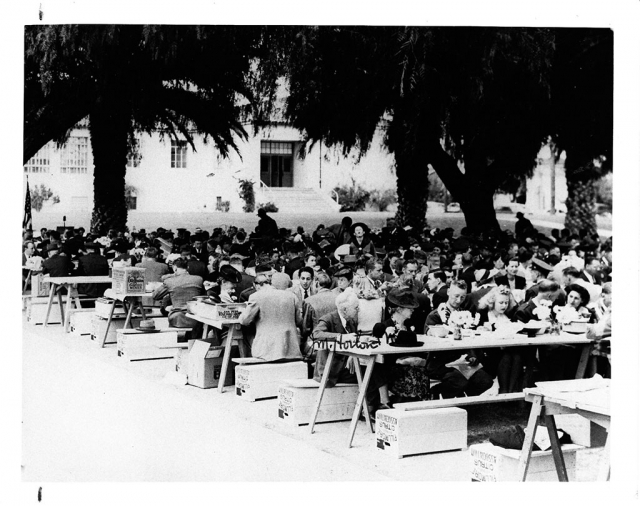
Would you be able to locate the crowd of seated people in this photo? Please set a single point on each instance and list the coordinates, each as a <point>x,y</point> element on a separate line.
<point>423,277</point>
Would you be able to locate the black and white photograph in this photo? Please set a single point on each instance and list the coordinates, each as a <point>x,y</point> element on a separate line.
<point>276,251</point>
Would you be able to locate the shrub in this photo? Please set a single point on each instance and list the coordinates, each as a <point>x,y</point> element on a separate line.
<point>247,193</point>
<point>382,200</point>
<point>223,206</point>
<point>352,198</point>
<point>269,207</point>
<point>39,195</point>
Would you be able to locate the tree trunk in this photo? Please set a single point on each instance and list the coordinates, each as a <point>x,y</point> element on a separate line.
<point>581,200</point>
<point>413,188</point>
<point>474,195</point>
<point>109,127</point>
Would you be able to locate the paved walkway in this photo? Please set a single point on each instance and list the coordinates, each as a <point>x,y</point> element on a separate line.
<point>91,416</point>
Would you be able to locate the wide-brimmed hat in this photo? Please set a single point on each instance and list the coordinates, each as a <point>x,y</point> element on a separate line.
<point>360,224</point>
<point>406,339</point>
<point>341,251</point>
<point>229,273</point>
<point>580,290</point>
<point>541,266</point>
<point>345,272</point>
<point>399,297</point>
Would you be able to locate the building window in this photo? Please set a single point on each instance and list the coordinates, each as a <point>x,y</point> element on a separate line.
<point>75,156</point>
<point>132,203</point>
<point>40,162</point>
<point>276,163</point>
<point>178,154</point>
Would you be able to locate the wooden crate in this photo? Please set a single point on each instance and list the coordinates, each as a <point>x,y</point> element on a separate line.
<point>81,322</point>
<point>583,432</point>
<point>128,280</point>
<point>37,310</point>
<point>261,381</point>
<point>99,325</point>
<point>103,307</point>
<point>493,463</point>
<point>296,399</point>
<point>135,345</point>
<point>402,433</point>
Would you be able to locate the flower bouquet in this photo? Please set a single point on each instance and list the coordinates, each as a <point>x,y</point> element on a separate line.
<point>571,319</point>
<point>462,320</point>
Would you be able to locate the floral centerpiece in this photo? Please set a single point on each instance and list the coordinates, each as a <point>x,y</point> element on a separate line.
<point>571,319</point>
<point>462,320</point>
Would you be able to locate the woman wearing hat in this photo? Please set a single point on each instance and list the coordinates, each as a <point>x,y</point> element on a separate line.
<point>560,362</point>
<point>361,244</point>
<point>408,378</point>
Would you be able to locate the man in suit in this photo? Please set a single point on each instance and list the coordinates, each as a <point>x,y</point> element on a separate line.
<point>511,279</point>
<point>344,322</point>
<point>316,306</point>
<point>199,251</point>
<point>154,270</point>
<point>467,272</point>
<point>591,273</point>
<point>180,288</point>
<point>437,287</point>
<point>453,383</point>
<point>267,270</point>
<point>394,236</point>
<point>56,265</point>
<point>194,266</point>
<point>92,264</point>
<point>246,280</point>
<point>371,286</point>
<point>276,314</point>
<point>305,289</point>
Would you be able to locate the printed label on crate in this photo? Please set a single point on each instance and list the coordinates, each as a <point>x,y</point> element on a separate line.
<point>217,369</point>
<point>285,402</point>
<point>128,280</point>
<point>242,378</point>
<point>484,465</point>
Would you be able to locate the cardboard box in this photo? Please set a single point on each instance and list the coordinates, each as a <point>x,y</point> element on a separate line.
<point>261,381</point>
<point>493,463</point>
<point>296,400</point>
<point>81,322</point>
<point>402,433</point>
<point>136,345</point>
<point>37,310</point>
<point>128,280</point>
<point>583,432</point>
<point>99,326</point>
<point>103,307</point>
<point>204,364</point>
<point>39,288</point>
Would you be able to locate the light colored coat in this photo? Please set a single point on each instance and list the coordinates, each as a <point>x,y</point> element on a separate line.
<point>276,314</point>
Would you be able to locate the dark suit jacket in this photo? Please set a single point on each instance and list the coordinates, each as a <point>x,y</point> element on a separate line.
<point>524,313</point>
<point>521,283</point>
<point>57,266</point>
<point>93,264</point>
<point>439,297</point>
<point>597,278</point>
<point>293,266</point>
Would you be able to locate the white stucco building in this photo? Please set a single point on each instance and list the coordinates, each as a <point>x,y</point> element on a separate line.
<point>170,176</point>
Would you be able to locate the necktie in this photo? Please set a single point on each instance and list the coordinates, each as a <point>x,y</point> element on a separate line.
<point>306,294</point>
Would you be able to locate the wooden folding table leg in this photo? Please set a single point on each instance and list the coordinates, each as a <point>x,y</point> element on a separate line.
<point>604,473</point>
<point>323,385</point>
<point>359,403</point>
<point>227,358</point>
<point>67,316</point>
<point>106,331</point>
<point>365,404</point>
<point>584,359</point>
<point>556,450</point>
<point>61,305</point>
<point>127,320</point>
<point>52,293</point>
<point>525,454</point>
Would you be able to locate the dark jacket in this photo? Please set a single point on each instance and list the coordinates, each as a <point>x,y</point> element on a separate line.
<point>521,283</point>
<point>57,266</point>
<point>93,264</point>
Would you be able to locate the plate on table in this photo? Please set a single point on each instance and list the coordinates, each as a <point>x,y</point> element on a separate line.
<point>534,327</point>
